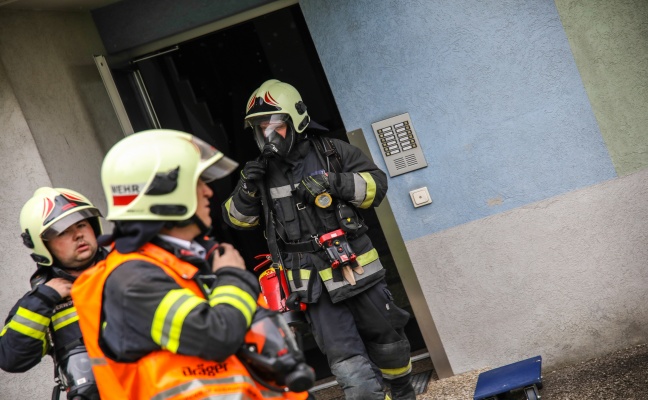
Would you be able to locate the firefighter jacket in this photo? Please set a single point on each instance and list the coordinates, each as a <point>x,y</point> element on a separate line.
<point>359,184</point>
<point>155,330</point>
<point>24,337</point>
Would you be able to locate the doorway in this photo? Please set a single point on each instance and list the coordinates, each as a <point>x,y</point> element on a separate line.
<point>202,86</point>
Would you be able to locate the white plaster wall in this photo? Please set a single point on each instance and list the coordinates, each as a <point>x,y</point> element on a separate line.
<point>56,123</point>
<point>48,59</point>
<point>564,278</point>
<point>22,171</point>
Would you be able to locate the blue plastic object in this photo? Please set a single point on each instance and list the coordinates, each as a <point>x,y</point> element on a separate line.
<point>518,375</point>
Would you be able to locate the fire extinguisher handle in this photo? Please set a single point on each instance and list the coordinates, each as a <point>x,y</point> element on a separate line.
<point>263,263</point>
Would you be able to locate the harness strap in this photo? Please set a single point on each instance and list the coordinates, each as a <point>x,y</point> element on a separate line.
<point>308,246</point>
<point>326,148</point>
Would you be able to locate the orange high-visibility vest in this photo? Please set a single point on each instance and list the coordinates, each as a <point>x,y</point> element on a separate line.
<point>160,375</point>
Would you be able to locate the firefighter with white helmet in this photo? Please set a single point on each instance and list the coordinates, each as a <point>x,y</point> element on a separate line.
<point>60,227</point>
<point>315,187</point>
<point>168,309</point>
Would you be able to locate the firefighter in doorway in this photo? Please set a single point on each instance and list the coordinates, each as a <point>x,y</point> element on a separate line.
<point>166,312</point>
<point>314,187</point>
<point>60,226</point>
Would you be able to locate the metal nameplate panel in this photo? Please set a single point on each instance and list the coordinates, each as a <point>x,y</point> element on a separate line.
<point>399,144</point>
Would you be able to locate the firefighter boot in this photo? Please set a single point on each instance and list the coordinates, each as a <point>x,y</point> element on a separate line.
<point>401,388</point>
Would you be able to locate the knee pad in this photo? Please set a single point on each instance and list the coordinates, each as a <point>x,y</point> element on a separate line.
<point>394,355</point>
<point>358,379</point>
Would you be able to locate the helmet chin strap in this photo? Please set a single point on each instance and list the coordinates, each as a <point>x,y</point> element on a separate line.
<point>194,219</point>
<point>204,229</point>
<point>62,272</point>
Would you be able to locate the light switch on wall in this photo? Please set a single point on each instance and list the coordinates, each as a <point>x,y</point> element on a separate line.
<point>420,197</point>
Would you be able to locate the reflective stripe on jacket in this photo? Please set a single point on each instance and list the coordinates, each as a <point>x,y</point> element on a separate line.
<point>360,184</point>
<point>162,374</point>
<point>24,337</point>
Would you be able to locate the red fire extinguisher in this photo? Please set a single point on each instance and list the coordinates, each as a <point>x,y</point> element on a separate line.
<point>274,285</point>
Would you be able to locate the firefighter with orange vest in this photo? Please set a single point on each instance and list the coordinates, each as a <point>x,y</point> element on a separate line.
<point>166,312</point>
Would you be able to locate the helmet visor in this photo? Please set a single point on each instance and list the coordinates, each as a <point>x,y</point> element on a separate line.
<point>218,166</point>
<point>62,224</point>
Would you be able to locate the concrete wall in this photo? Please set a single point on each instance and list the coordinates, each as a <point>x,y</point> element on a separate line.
<point>533,245</point>
<point>24,171</point>
<point>564,278</point>
<point>57,123</point>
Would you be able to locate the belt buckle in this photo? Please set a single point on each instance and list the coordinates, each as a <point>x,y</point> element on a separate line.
<point>316,240</point>
<point>300,206</point>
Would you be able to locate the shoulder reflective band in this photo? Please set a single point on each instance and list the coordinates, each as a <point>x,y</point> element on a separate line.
<point>235,297</point>
<point>170,315</point>
<point>64,318</point>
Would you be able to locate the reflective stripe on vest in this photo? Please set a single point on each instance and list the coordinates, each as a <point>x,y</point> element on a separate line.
<point>64,318</point>
<point>197,383</point>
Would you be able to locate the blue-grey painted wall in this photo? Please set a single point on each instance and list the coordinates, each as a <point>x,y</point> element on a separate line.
<point>493,92</point>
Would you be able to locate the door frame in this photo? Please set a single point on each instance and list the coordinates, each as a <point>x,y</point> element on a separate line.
<point>356,137</point>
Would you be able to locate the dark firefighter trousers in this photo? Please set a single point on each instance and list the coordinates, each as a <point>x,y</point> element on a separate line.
<point>360,336</point>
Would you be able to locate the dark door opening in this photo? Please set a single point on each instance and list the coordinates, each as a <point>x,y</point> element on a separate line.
<point>202,87</point>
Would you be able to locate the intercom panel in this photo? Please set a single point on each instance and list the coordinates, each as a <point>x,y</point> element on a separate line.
<point>399,144</point>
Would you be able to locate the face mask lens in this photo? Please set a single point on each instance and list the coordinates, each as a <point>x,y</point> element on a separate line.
<point>271,129</point>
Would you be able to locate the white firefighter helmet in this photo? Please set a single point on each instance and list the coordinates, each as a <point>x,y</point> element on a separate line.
<point>274,104</point>
<point>152,175</point>
<point>48,213</point>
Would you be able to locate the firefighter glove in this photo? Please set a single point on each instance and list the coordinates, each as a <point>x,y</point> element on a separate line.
<point>312,186</point>
<point>253,172</point>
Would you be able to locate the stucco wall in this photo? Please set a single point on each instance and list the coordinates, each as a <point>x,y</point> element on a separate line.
<point>564,278</point>
<point>493,92</point>
<point>609,40</point>
<point>22,172</point>
<point>57,122</point>
<point>532,245</point>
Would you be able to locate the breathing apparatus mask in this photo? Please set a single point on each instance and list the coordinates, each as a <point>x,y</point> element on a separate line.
<point>271,355</point>
<point>274,134</point>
